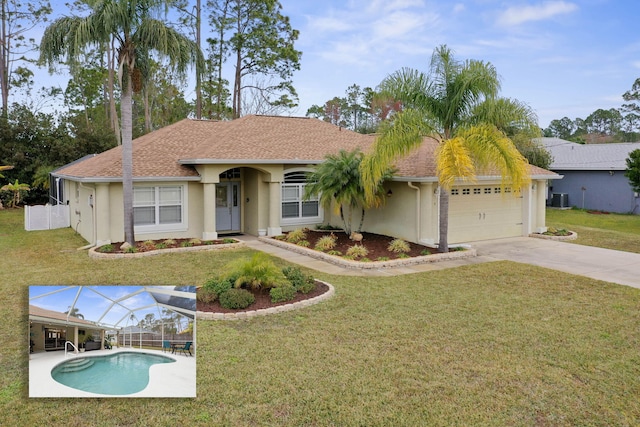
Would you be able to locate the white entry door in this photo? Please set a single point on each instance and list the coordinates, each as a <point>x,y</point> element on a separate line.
<point>228,206</point>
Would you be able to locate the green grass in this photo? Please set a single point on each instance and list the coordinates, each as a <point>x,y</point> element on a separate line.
<point>488,344</point>
<point>612,231</point>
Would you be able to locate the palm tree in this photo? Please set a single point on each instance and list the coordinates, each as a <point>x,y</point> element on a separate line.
<point>338,179</point>
<point>456,102</point>
<point>3,168</point>
<point>75,312</point>
<point>17,188</point>
<point>137,33</point>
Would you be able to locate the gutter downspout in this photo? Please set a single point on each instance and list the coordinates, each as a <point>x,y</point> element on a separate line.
<point>93,215</point>
<point>418,210</point>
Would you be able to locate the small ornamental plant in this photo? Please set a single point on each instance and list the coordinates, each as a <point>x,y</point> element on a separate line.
<point>236,298</point>
<point>398,246</point>
<point>326,243</point>
<point>357,251</point>
<point>296,235</point>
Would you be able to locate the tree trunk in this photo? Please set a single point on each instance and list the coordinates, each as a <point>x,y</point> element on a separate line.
<point>127,160</point>
<point>115,125</point>
<point>443,244</point>
<point>198,70</point>
<point>236,86</point>
<point>361,222</point>
<point>4,60</point>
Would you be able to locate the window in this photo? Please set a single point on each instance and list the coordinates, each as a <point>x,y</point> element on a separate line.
<point>295,210</point>
<point>476,191</point>
<point>497,190</point>
<point>465,191</point>
<point>455,192</point>
<point>487,190</point>
<point>158,208</point>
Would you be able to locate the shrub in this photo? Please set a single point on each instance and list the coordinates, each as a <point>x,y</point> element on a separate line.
<point>219,285</point>
<point>149,245</point>
<point>326,243</point>
<point>206,296</point>
<point>186,244</point>
<point>257,273</point>
<point>195,242</point>
<point>357,251</point>
<point>398,246</point>
<point>425,252</point>
<point>106,248</point>
<point>296,235</point>
<point>161,245</point>
<point>334,253</point>
<point>228,240</point>
<point>236,298</point>
<point>282,293</point>
<point>301,282</point>
<point>382,258</point>
<point>303,243</point>
<point>403,255</point>
<point>169,242</point>
<point>131,250</point>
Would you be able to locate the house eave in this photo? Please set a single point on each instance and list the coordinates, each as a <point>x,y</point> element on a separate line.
<point>117,179</point>
<point>248,161</point>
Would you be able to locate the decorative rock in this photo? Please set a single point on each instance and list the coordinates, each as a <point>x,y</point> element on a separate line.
<point>125,246</point>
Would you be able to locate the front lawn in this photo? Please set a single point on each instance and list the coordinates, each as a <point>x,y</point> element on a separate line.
<point>487,344</point>
<point>612,231</point>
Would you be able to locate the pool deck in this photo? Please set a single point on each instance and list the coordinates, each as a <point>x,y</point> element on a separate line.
<point>165,380</point>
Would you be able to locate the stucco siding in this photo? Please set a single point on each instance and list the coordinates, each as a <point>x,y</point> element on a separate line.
<point>597,190</point>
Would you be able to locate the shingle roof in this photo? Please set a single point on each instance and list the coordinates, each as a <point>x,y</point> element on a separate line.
<point>172,151</point>
<point>56,316</point>
<point>569,155</point>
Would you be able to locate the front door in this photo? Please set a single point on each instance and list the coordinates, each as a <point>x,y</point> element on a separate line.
<point>228,206</point>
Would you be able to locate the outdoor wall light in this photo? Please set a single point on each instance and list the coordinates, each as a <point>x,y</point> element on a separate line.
<point>611,173</point>
<point>389,193</point>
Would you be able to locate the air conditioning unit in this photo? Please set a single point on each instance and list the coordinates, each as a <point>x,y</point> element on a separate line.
<point>560,200</point>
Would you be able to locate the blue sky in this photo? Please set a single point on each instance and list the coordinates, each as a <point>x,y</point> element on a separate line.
<point>92,305</point>
<point>562,57</point>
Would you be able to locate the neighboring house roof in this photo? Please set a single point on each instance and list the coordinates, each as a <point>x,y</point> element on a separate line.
<point>569,155</point>
<point>50,316</point>
<point>171,152</point>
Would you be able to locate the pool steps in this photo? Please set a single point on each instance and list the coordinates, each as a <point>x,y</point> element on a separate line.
<point>76,365</point>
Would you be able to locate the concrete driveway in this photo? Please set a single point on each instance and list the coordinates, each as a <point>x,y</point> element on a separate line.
<point>597,263</point>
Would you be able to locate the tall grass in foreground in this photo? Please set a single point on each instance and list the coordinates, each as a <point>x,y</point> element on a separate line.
<point>488,344</point>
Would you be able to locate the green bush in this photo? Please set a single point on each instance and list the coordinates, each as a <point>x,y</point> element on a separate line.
<point>303,243</point>
<point>301,282</point>
<point>326,243</point>
<point>282,293</point>
<point>425,252</point>
<point>228,240</point>
<point>398,246</point>
<point>236,298</point>
<point>195,241</point>
<point>257,273</point>
<point>186,244</point>
<point>169,242</point>
<point>106,248</point>
<point>219,285</point>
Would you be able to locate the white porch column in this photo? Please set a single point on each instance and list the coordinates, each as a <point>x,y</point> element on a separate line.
<point>429,217</point>
<point>209,232</point>
<point>274,228</point>
<point>541,204</point>
<point>102,216</point>
<point>528,208</point>
<point>75,339</point>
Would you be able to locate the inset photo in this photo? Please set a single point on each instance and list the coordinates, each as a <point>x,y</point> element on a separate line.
<point>112,341</point>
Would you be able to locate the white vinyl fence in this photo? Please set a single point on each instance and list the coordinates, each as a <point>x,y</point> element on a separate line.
<point>46,217</point>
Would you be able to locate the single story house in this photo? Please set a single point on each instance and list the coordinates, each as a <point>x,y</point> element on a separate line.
<point>593,176</point>
<point>49,330</point>
<point>201,179</point>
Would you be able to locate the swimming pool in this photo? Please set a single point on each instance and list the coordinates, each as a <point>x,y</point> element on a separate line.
<point>114,374</point>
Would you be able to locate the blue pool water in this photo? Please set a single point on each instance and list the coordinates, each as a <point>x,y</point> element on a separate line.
<point>114,374</point>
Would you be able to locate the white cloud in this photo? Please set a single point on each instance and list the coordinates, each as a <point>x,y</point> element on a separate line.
<point>458,8</point>
<point>516,15</point>
<point>329,24</point>
<point>636,64</point>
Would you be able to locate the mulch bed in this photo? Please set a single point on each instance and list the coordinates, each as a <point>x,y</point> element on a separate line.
<point>263,300</point>
<point>152,245</point>
<point>376,244</point>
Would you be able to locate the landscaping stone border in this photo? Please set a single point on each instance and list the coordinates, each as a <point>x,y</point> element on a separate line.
<point>93,253</point>
<point>572,236</point>
<point>244,315</point>
<point>469,252</point>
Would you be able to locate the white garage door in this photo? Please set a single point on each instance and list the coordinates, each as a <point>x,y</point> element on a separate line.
<point>483,212</point>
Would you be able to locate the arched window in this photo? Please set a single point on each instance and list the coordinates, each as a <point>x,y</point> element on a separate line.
<point>295,210</point>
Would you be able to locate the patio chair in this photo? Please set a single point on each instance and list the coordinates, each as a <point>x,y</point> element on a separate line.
<point>186,347</point>
<point>166,346</point>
